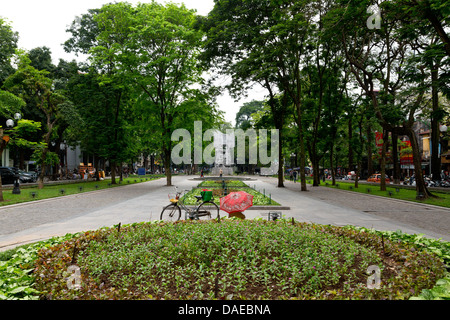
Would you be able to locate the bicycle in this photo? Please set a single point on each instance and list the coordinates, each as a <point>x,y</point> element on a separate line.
<point>206,210</point>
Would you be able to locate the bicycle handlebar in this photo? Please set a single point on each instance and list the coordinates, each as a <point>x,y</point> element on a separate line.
<point>179,192</point>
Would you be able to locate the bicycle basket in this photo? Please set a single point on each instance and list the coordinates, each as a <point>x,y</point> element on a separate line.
<point>173,198</point>
<point>206,195</point>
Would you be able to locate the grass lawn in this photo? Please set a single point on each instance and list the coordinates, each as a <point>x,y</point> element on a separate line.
<point>442,199</point>
<point>30,193</point>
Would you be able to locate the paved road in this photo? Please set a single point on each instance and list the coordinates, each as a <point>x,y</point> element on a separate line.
<point>340,207</point>
<point>43,219</point>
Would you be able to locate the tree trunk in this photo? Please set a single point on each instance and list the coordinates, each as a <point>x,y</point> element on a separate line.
<point>358,172</point>
<point>422,190</point>
<point>302,148</point>
<point>395,158</point>
<point>333,172</point>
<point>369,151</point>
<point>96,165</point>
<point>350,147</point>
<point>3,144</point>
<point>435,159</point>
<point>113,172</point>
<point>383,162</point>
<point>43,168</point>
<point>167,153</point>
<point>280,161</point>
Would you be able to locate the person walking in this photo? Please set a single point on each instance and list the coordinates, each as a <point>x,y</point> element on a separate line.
<point>221,173</point>
<point>86,174</point>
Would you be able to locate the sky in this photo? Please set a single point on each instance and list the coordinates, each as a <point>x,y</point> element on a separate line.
<point>43,23</point>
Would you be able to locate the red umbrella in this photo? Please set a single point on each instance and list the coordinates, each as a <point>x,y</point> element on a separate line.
<point>236,202</point>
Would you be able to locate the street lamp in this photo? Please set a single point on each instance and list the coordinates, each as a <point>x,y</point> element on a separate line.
<point>443,129</point>
<point>10,125</point>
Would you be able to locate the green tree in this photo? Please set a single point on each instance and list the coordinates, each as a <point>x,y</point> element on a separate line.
<point>425,23</point>
<point>381,62</point>
<point>32,84</point>
<point>262,42</point>
<point>9,103</point>
<point>24,138</point>
<point>102,92</point>
<point>8,46</point>
<point>157,50</point>
<point>244,115</point>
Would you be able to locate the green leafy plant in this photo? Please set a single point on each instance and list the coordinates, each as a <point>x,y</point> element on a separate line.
<point>233,259</point>
<point>16,270</point>
<point>238,259</point>
<point>441,291</point>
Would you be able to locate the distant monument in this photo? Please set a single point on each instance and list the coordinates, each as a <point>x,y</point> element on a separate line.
<point>224,158</point>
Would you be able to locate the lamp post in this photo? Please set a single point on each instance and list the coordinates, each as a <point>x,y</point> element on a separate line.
<point>10,125</point>
<point>443,129</point>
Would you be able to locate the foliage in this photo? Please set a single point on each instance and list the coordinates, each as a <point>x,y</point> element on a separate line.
<point>258,197</point>
<point>218,183</point>
<point>244,115</point>
<point>9,103</point>
<point>441,291</point>
<point>234,259</point>
<point>16,266</point>
<point>55,255</point>
<point>8,41</point>
<point>232,186</point>
<point>151,49</point>
<point>25,132</point>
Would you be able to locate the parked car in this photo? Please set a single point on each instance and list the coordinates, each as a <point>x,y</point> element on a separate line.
<point>24,176</point>
<point>27,176</point>
<point>377,178</point>
<point>8,175</point>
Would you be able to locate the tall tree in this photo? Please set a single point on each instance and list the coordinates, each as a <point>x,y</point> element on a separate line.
<point>156,48</point>
<point>262,42</point>
<point>8,46</point>
<point>33,84</point>
<point>380,60</point>
<point>243,116</point>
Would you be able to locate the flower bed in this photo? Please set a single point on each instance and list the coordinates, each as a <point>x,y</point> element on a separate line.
<point>259,199</point>
<point>218,183</point>
<point>234,259</point>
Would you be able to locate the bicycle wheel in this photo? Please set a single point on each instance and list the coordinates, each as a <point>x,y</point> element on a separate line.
<point>171,212</point>
<point>208,210</point>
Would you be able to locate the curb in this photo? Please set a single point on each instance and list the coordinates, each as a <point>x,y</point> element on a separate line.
<point>389,198</point>
<point>65,196</point>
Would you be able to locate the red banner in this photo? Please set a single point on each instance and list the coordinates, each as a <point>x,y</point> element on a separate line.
<point>379,139</point>
<point>407,158</point>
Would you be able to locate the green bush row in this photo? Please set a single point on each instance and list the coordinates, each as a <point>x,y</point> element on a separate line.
<point>18,266</point>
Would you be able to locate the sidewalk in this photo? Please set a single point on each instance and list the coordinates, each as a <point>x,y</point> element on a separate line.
<point>340,207</point>
<point>39,220</point>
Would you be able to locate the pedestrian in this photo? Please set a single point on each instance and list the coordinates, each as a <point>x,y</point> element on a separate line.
<point>295,176</point>
<point>86,174</point>
<point>201,173</point>
<point>221,172</point>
